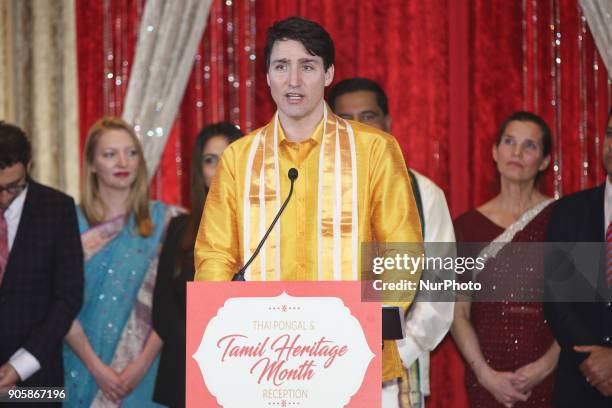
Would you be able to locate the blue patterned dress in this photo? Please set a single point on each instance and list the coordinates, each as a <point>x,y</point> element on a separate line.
<point>116,313</point>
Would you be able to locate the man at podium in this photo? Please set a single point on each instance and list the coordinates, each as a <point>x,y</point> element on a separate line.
<point>349,184</point>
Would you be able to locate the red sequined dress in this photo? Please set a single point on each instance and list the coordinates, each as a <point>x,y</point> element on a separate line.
<point>511,334</point>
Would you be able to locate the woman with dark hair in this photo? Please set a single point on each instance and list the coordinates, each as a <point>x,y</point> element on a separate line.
<point>176,265</point>
<point>509,348</point>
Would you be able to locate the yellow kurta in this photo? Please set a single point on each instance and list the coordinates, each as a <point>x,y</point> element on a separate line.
<point>387,210</point>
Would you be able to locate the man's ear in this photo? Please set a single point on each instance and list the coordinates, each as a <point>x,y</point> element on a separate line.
<point>329,75</point>
<point>388,121</point>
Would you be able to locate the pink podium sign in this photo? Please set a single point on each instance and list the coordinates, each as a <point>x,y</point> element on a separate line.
<point>281,345</point>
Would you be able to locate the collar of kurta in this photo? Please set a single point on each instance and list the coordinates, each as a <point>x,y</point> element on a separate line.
<point>316,136</point>
<point>337,218</point>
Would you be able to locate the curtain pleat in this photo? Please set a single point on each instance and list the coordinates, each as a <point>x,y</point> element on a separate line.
<point>38,76</point>
<point>599,16</point>
<point>167,44</point>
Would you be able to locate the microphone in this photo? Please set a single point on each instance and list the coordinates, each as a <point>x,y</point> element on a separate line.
<point>293,175</point>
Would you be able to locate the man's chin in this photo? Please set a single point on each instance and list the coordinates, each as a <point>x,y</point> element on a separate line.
<point>294,112</point>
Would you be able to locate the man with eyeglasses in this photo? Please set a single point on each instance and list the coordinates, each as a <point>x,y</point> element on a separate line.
<point>41,269</point>
<point>364,100</point>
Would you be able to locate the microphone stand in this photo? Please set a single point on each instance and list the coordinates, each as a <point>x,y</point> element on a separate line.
<point>239,276</point>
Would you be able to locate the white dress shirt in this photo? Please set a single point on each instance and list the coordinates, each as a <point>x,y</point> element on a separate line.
<point>12,215</point>
<point>22,361</point>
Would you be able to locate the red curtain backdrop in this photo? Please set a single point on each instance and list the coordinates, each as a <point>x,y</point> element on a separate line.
<point>221,85</point>
<point>453,70</point>
<point>384,40</point>
<point>549,65</point>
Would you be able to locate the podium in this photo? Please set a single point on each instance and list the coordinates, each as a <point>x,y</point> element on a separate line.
<point>282,344</point>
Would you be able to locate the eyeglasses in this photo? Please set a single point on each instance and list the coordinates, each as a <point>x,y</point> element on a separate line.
<point>210,160</point>
<point>14,189</point>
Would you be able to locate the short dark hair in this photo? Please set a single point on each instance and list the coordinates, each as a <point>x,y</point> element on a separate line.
<point>311,35</point>
<point>358,84</point>
<point>198,189</point>
<point>524,116</point>
<point>14,146</point>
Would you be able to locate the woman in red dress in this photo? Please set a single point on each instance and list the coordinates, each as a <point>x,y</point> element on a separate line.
<point>509,349</point>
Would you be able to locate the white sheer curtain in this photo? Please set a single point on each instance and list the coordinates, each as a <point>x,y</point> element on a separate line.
<point>38,80</point>
<point>7,81</point>
<point>168,38</point>
<point>598,14</point>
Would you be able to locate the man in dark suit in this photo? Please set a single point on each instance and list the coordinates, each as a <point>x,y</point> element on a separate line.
<point>41,270</point>
<point>581,317</point>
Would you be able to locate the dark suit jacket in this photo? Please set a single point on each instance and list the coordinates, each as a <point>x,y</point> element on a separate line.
<point>42,290</point>
<point>176,268</point>
<point>578,218</point>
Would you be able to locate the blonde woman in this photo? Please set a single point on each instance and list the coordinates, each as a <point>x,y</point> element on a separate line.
<point>112,356</point>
